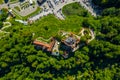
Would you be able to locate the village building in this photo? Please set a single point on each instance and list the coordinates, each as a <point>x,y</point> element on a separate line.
<point>49,47</point>
<point>70,43</point>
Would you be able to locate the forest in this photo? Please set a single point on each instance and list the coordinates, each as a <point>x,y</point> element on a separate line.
<point>99,60</point>
<point>107,3</point>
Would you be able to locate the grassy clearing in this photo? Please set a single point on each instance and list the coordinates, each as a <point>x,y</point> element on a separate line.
<point>43,40</point>
<point>49,26</point>
<point>13,1</point>
<point>1,1</point>
<point>75,9</point>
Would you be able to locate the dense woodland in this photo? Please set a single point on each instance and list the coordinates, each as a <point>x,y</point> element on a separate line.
<point>99,60</point>
<point>107,3</point>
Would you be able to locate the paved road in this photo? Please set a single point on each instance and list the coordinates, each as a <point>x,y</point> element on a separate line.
<point>56,10</point>
<point>38,16</point>
<point>87,4</point>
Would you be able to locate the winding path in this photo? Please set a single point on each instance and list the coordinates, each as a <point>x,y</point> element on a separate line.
<point>1,30</point>
<point>9,24</point>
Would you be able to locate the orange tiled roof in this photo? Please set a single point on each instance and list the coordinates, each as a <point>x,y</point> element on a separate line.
<point>41,44</point>
<point>48,46</point>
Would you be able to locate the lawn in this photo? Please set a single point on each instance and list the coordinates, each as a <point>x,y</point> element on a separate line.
<point>1,1</point>
<point>13,1</point>
<point>49,26</point>
<point>75,9</point>
<point>43,40</point>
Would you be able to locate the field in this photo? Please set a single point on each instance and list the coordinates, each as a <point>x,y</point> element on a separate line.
<point>50,25</point>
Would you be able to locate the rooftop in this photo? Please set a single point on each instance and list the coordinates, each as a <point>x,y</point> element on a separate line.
<point>70,40</point>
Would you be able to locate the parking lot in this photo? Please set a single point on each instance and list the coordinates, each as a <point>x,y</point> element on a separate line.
<point>23,8</point>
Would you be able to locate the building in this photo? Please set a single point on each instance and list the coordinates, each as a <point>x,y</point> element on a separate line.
<point>70,43</point>
<point>49,47</point>
<point>45,46</point>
